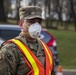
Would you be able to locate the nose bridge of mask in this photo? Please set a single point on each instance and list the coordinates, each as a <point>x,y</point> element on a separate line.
<point>35,24</point>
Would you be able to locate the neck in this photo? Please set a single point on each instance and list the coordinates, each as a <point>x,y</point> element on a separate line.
<point>30,39</point>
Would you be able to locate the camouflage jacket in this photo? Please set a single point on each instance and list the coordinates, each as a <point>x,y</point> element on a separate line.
<point>11,59</point>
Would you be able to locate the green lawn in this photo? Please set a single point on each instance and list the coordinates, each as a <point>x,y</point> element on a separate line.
<point>66,41</point>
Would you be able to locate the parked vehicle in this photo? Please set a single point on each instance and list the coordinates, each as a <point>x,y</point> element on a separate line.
<point>11,31</point>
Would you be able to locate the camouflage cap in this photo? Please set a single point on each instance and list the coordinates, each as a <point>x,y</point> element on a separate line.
<point>30,12</point>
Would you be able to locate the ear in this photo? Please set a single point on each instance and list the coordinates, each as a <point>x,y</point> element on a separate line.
<point>20,23</point>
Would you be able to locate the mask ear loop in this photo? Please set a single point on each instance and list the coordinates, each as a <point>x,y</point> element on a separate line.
<point>27,27</point>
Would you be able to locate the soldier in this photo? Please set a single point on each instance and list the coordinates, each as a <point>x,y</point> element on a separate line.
<point>26,54</point>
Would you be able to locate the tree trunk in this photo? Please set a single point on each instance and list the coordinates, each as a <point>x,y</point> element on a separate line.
<point>2,12</point>
<point>72,14</point>
<point>47,12</point>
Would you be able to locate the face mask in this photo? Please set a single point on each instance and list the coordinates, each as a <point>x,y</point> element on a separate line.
<point>35,30</point>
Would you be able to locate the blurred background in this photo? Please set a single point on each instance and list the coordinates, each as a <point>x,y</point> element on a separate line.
<point>56,13</point>
<point>59,18</point>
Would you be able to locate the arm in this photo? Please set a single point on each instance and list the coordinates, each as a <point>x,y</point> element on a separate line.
<point>12,62</point>
<point>8,62</point>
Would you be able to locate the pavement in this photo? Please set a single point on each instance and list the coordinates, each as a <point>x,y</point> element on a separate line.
<point>71,70</point>
<point>61,71</point>
<point>67,72</point>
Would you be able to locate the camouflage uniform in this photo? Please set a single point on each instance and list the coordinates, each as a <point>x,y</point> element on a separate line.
<point>11,59</point>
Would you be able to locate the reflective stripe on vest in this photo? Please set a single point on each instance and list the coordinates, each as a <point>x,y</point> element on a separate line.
<point>49,53</point>
<point>37,68</point>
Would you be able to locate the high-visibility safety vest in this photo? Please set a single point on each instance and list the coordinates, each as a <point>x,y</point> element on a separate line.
<point>33,62</point>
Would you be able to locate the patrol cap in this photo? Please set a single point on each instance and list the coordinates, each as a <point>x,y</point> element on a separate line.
<point>30,12</point>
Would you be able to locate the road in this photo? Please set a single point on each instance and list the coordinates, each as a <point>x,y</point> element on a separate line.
<point>69,72</point>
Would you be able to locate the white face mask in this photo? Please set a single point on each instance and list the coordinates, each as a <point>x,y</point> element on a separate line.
<point>35,30</point>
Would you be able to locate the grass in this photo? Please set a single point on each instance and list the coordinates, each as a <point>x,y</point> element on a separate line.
<point>66,41</point>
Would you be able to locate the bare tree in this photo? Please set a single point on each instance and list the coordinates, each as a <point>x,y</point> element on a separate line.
<point>72,13</point>
<point>18,6</point>
<point>2,11</point>
<point>47,12</point>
